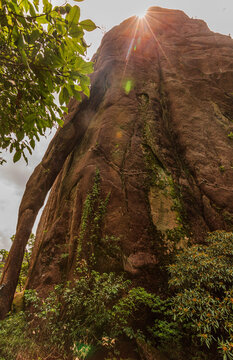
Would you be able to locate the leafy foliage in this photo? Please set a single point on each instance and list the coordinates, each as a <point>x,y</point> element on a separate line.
<point>79,314</point>
<point>137,308</point>
<point>3,256</point>
<point>203,279</point>
<point>41,54</point>
<point>95,312</point>
<point>94,209</point>
<point>12,336</point>
<point>25,264</point>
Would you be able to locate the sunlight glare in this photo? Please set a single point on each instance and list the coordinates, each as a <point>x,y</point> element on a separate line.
<point>142,14</point>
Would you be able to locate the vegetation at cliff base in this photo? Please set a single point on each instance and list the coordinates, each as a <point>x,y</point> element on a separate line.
<point>41,54</point>
<point>202,278</point>
<point>97,310</point>
<point>77,319</point>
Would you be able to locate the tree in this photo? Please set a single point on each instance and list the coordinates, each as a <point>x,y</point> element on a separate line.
<point>25,264</point>
<point>202,277</point>
<point>48,59</point>
<point>3,256</point>
<point>41,54</point>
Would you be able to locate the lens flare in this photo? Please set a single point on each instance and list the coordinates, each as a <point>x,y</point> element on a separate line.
<point>128,86</point>
<point>141,15</point>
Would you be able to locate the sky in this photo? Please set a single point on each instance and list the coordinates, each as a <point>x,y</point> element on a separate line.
<point>218,14</point>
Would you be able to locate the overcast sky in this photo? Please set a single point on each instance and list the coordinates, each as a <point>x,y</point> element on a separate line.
<point>105,13</point>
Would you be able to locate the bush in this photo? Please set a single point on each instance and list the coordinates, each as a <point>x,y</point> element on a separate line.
<point>77,317</point>
<point>12,337</point>
<point>95,312</point>
<point>202,277</point>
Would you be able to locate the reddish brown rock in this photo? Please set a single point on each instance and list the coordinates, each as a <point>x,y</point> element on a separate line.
<point>157,131</point>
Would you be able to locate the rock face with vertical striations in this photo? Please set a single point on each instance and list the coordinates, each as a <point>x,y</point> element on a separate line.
<point>154,168</point>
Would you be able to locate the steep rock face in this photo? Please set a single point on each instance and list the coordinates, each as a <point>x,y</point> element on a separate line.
<point>156,156</point>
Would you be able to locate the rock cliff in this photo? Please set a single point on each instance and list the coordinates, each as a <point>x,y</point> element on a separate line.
<point>154,166</point>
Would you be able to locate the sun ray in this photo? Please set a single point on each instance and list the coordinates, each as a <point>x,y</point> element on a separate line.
<point>158,43</point>
<point>141,21</point>
<point>130,49</point>
<point>141,15</point>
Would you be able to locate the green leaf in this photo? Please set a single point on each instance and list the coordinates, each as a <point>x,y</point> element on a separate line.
<point>77,95</point>
<point>21,42</point>
<point>84,80</point>
<point>34,36</point>
<point>82,66</point>
<point>24,57</point>
<point>20,135</point>
<point>57,61</point>
<point>11,147</point>
<point>70,89</point>
<point>42,20</point>
<point>64,109</point>
<point>77,88</point>
<point>78,0</point>
<point>29,149</point>
<point>22,21</point>
<point>84,85</point>
<point>32,143</point>
<point>17,156</point>
<point>32,10</point>
<point>49,82</point>
<point>75,46</point>
<point>37,137</point>
<point>25,5</point>
<point>88,25</point>
<point>30,117</point>
<point>74,15</point>
<point>60,122</point>
<point>64,96</point>
<point>6,143</point>
<point>36,4</point>
<point>61,98</point>
<point>14,7</point>
<point>75,31</point>
<point>80,49</point>
<point>26,160</point>
<point>86,68</point>
<point>47,6</point>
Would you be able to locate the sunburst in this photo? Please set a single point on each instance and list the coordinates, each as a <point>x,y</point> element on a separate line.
<point>142,24</point>
<point>141,15</point>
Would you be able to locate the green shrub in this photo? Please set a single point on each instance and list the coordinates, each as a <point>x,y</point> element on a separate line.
<point>78,316</point>
<point>202,277</point>
<point>95,311</point>
<point>132,313</point>
<point>12,337</point>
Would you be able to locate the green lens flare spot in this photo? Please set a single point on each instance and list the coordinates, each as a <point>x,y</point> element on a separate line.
<point>128,86</point>
<point>82,350</point>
